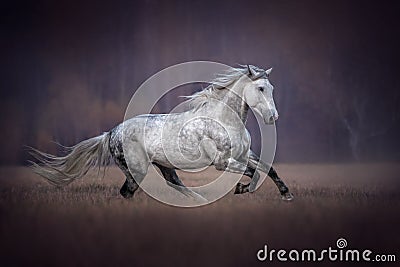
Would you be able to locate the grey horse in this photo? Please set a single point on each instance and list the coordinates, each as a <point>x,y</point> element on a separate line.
<point>211,132</point>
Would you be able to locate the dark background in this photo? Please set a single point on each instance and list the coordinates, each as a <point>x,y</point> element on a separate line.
<point>69,68</point>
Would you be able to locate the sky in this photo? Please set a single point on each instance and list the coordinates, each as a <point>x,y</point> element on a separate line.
<point>69,68</point>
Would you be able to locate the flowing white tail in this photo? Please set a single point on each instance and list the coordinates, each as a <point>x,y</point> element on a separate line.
<point>80,158</point>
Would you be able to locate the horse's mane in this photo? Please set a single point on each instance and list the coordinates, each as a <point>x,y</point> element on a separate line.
<point>221,82</point>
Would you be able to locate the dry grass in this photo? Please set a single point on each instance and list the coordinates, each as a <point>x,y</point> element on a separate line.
<point>87,223</point>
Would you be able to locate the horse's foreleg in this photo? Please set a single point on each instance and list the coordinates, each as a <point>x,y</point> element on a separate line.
<point>255,162</point>
<point>250,187</point>
<point>234,166</point>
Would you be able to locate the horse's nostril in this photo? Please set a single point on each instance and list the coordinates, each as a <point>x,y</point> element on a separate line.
<point>273,118</point>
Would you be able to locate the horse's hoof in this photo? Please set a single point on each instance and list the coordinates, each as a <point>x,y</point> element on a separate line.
<point>126,194</point>
<point>241,188</point>
<point>288,196</point>
<point>238,188</point>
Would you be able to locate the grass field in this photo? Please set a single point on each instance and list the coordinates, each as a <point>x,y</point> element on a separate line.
<point>88,224</point>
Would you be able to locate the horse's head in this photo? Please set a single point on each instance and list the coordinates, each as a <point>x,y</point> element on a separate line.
<point>258,94</point>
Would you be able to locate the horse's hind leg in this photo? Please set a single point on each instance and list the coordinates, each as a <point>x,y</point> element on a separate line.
<point>137,166</point>
<point>169,175</point>
<point>173,180</point>
<point>130,186</point>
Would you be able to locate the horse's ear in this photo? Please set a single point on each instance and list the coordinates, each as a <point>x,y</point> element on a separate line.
<point>268,71</point>
<point>252,72</point>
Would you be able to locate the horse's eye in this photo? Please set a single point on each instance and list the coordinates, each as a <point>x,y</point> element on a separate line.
<point>261,89</point>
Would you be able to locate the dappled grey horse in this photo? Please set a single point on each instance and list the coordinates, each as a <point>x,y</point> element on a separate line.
<point>211,132</point>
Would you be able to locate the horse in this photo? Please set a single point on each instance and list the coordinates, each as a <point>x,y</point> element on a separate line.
<point>211,132</point>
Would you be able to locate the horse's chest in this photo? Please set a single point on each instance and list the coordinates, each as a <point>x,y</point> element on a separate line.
<point>240,145</point>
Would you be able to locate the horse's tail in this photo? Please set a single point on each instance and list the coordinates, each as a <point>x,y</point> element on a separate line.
<point>80,158</point>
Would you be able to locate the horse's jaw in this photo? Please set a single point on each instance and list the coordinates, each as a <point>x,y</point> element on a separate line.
<point>265,117</point>
<point>267,121</point>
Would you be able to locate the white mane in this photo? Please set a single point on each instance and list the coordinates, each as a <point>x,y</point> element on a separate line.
<point>220,84</point>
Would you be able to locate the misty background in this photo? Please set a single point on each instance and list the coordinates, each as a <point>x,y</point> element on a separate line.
<point>69,68</point>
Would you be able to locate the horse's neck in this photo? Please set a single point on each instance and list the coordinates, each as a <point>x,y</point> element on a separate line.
<point>233,101</point>
<point>244,111</point>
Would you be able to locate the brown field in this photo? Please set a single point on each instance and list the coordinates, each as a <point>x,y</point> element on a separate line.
<point>88,224</point>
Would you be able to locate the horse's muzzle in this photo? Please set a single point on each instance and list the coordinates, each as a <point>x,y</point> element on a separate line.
<point>271,118</point>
